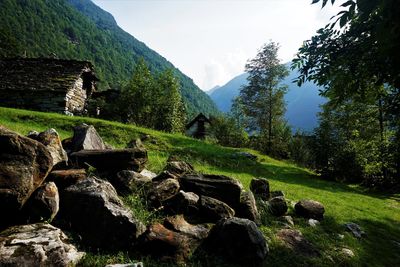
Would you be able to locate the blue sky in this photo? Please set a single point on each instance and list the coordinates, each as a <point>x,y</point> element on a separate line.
<point>211,40</point>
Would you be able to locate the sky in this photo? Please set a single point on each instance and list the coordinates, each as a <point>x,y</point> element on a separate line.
<point>211,40</point>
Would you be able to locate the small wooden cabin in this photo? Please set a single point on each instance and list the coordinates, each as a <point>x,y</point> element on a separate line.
<point>198,126</point>
<point>46,84</point>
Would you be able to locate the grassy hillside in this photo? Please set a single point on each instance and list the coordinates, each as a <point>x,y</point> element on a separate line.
<point>78,29</point>
<point>377,214</point>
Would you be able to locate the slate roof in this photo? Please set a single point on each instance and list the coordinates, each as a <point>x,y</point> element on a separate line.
<point>201,118</point>
<point>42,74</point>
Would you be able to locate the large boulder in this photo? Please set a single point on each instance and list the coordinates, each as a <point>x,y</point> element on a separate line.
<point>163,191</point>
<point>93,210</point>
<point>86,138</point>
<point>37,245</point>
<point>51,140</point>
<point>310,209</point>
<point>65,178</point>
<point>43,204</point>
<point>24,164</point>
<point>220,187</point>
<point>248,207</point>
<point>128,182</point>
<point>110,161</point>
<point>294,240</point>
<point>212,210</point>
<point>238,240</point>
<point>178,167</point>
<point>178,224</point>
<point>182,203</point>
<point>277,206</point>
<point>260,188</point>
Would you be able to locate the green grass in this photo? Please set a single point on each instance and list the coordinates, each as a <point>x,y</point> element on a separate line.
<point>378,214</point>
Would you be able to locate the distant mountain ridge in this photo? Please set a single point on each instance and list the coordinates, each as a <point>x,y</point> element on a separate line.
<point>302,102</point>
<point>78,29</point>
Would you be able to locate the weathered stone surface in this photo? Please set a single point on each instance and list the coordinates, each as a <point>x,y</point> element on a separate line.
<point>127,182</point>
<point>220,187</point>
<point>212,210</point>
<point>355,229</point>
<point>86,138</point>
<point>43,204</point>
<point>65,178</point>
<point>287,221</point>
<point>260,188</point>
<point>92,209</point>
<point>110,161</point>
<point>165,244</point>
<point>135,143</point>
<point>310,209</point>
<point>179,167</point>
<point>148,173</point>
<point>183,203</point>
<point>163,191</point>
<point>238,240</point>
<point>347,252</point>
<point>313,222</point>
<point>277,206</point>
<point>277,193</point>
<point>178,224</point>
<point>164,175</point>
<point>24,164</point>
<point>51,140</point>
<point>37,245</point>
<point>248,207</point>
<point>294,240</point>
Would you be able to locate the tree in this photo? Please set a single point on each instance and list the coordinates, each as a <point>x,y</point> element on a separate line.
<point>262,99</point>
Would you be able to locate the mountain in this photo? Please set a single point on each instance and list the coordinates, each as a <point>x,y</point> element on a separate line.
<point>209,92</point>
<point>78,29</point>
<point>302,102</point>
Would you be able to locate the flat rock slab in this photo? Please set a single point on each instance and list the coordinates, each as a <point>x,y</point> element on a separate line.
<point>178,224</point>
<point>65,178</point>
<point>111,161</point>
<point>37,245</point>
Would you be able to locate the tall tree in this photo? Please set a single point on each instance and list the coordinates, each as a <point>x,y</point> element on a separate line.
<point>262,99</point>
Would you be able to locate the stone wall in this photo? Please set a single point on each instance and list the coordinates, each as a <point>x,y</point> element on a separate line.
<point>34,100</point>
<point>75,98</point>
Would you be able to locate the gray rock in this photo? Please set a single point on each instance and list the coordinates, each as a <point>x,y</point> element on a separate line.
<point>244,155</point>
<point>93,210</point>
<point>178,167</point>
<point>110,161</point>
<point>310,209</point>
<point>347,252</point>
<point>163,191</point>
<point>277,206</point>
<point>287,220</point>
<point>260,188</point>
<point>277,193</point>
<point>183,203</point>
<point>44,203</point>
<point>33,134</point>
<point>294,240</point>
<point>24,164</point>
<point>65,178</point>
<point>312,222</point>
<point>37,245</point>
<point>220,187</point>
<point>164,175</point>
<point>355,229</point>
<point>136,143</point>
<point>148,173</point>
<point>238,240</point>
<point>248,208</point>
<point>178,224</point>
<point>212,210</point>
<point>51,140</point>
<point>128,182</point>
<point>86,138</point>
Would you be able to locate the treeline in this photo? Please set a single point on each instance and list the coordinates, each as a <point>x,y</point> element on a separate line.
<point>147,99</point>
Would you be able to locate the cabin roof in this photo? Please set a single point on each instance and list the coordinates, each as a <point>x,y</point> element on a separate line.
<point>42,74</point>
<point>200,117</point>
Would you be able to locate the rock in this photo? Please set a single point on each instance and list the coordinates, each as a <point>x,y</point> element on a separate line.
<point>135,143</point>
<point>355,229</point>
<point>127,182</point>
<point>178,167</point>
<point>163,191</point>
<point>136,264</point>
<point>248,208</point>
<point>92,209</point>
<point>65,178</point>
<point>183,203</point>
<point>277,193</point>
<point>33,135</point>
<point>165,244</point>
<point>37,245</point>
<point>238,240</point>
<point>51,140</point>
<point>44,203</point>
<point>86,138</point>
<point>347,252</point>
<point>110,161</point>
<point>164,175</point>
<point>260,188</point>
<point>220,187</point>
<point>212,210</point>
<point>340,236</point>
<point>287,220</point>
<point>310,209</point>
<point>148,173</point>
<point>245,155</point>
<point>179,224</point>
<point>277,206</point>
<point>24,164</point>
<point>312,222</point>
<point>294,240</point>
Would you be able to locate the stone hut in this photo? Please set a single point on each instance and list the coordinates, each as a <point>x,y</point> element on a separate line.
<point>198,126</point>
<point>46,84</point>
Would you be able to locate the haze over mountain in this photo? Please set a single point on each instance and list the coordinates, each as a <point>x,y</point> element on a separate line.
<point>78,29</point>
<point>302,102</point>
